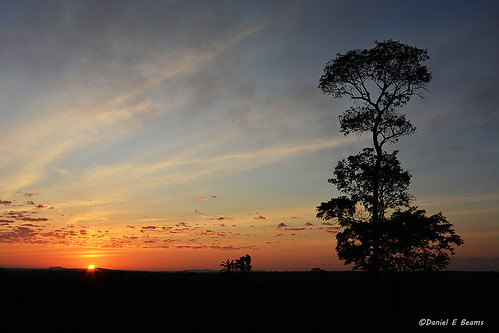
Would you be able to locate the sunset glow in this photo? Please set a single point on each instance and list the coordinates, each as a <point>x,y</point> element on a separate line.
<point>167,136</point>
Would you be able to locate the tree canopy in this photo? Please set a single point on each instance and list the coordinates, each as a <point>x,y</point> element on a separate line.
<point>380,79</point>
<point>355,176</point>
<point>408,241</point>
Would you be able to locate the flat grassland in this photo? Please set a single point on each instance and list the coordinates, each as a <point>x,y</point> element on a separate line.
<point>115,301</point>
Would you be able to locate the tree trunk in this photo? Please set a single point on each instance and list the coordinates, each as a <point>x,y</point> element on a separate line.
<point>375,203</point>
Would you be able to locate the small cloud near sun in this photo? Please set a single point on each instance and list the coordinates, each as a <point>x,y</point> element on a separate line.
<point>210,196</point>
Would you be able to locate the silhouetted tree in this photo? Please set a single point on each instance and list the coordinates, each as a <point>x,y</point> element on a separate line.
<point>379,81</point>
<point>244,263</point>
<point>228,266</point>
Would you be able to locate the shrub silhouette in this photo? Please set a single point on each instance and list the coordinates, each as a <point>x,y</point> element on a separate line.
<point>228,266</point>
<point>243,264</point>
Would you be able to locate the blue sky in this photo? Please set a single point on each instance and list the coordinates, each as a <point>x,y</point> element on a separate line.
<point>126,112</point>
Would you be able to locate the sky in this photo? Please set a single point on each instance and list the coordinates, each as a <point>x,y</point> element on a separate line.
<point>173,135</point>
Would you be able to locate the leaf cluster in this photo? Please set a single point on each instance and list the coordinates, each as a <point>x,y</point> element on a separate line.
<point>415,242</point>
<point>407,241</point>
<point>355,176</point>
<point>390,125</point>
<point>378,80</point>
<point>394,68</point>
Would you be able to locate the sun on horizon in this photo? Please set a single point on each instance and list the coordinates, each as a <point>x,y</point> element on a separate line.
<point>91,267</point>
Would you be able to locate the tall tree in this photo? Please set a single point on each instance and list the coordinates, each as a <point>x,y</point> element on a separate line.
<point>379,81</point>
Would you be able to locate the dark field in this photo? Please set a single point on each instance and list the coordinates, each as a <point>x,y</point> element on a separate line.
<point>115,301</point>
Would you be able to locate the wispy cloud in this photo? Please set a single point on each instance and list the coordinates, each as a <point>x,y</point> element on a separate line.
<point>88,113</point>
<point>186,167</point>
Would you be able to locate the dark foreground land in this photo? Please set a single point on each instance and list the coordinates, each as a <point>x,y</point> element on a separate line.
<point>116,301</point>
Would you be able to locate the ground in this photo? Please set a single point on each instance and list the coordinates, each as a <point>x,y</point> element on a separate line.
<point>110,301</point>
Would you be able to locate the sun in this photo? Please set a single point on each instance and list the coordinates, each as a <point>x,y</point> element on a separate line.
<point>91,267</point>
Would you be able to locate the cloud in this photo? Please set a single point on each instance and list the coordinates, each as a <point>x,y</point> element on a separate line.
<point>281,225</point>
<point>308,224</point>
<point>221,218</point>
<point>332,230</point>
<point>14,214</point>
<point>5,202</point>
<point>97,201</point>
<point>210,196</point>
<point>200,161</point>
<point>23,216</point>
<point>18,235</point>
<point>35,219</point>
<point>148,72</point>
<point>30,202</point>
<point>26,194</point>
<point>259,217</point>
<point>149,228</point>
<point>294,229</point>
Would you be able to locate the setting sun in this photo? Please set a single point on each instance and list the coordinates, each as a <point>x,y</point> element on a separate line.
<point>91,267</point>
